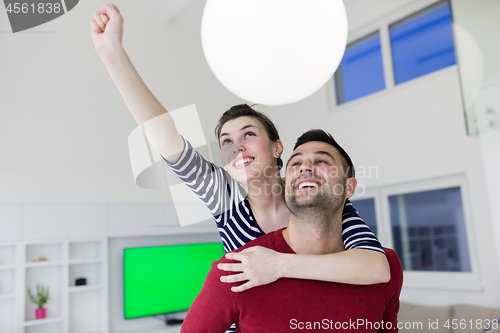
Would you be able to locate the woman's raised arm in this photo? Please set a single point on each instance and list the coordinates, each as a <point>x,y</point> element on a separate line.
<point>156,123</point>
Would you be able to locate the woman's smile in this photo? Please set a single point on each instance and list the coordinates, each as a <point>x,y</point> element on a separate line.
<point>243,162</point>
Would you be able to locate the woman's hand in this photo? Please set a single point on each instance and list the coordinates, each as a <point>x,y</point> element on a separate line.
<point>107,28</point>
<point>259,266</point>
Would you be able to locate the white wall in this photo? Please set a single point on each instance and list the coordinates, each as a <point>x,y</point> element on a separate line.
<point>482,25</point>
<point>362,12</point>
<point>63,119</point>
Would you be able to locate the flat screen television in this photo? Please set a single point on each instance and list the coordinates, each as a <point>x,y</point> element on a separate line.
<point>165,279</point>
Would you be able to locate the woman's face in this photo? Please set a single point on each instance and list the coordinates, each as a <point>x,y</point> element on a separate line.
<point>246,150</point>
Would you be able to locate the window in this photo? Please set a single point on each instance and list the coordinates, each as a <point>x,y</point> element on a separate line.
<point>422,43</point>
<point>428,224</point>
<point>366,210</point>
<point>361,71</point>
<point>428,230</point>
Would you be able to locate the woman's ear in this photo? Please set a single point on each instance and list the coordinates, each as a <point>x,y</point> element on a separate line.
<point>278,148</point>
<point>350,187</point>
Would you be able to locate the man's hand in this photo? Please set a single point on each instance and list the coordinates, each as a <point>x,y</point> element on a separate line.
<point>107,28</point>
<point>258,265</point>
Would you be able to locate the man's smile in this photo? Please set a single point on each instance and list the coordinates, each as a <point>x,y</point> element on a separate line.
<point>305,183</point>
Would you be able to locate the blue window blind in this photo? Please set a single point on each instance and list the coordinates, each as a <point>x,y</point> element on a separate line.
<point>422,43</point>
<point>428,230</point>
<point>361,71</point>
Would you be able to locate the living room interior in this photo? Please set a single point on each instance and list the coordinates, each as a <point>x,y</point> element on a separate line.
<point>424,143</point>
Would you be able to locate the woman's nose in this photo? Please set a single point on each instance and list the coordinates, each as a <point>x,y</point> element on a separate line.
<point>238,148</point>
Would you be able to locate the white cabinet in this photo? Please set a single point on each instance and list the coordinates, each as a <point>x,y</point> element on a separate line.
<point>9,277</point>
<point>55,264</point>
<point>88,304</point>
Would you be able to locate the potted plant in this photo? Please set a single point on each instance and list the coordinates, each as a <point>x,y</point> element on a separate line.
<point>42,296</point>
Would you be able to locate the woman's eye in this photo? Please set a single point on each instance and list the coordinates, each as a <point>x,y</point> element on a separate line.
<point>249,134</point>
<point>225,142</point>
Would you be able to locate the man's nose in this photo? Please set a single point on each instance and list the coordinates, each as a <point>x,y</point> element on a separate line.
<point>306,167</point>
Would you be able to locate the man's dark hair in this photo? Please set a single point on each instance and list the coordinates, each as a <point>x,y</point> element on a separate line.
<point>322,136</point>
<point>243,110</point>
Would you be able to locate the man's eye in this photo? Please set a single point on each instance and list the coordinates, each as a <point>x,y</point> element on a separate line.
<point>320,161</point>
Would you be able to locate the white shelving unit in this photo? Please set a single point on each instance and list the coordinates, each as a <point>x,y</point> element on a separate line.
<point>88,259</point>
<point>9,280</point>
<point>71,308</point>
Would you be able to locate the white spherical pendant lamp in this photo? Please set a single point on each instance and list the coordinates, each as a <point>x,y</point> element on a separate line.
<point>274,52</point>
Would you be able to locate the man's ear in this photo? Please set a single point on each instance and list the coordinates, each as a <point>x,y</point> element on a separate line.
<point>350,187</point>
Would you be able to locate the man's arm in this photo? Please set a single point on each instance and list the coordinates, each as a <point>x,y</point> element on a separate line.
<point>396,283</point>
<point>214,309</point>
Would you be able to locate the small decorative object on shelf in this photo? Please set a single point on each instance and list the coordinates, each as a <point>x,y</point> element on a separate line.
<point>42,296</point>
<point>80,282</point>
<point>42,259</point>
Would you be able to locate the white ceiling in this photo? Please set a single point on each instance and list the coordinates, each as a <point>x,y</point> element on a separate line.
<point>362,12</point>
<point>163,10</point>
<point>167,9</point>
<point>359,12</point>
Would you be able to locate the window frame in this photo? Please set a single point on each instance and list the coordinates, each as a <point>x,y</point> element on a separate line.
<point>421,12</point>
<point>382,232</point>
<point>338,78</point>
<point>382,26</point>
<point>428,279</point>
<point>411,17</point>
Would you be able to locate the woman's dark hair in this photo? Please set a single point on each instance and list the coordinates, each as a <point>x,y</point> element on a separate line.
<point>322,136</point>
<point>243,110</point>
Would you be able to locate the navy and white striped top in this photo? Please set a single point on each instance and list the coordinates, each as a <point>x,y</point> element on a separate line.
<point>231,209</point>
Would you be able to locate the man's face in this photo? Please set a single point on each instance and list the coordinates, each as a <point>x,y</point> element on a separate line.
<point>316,178</point>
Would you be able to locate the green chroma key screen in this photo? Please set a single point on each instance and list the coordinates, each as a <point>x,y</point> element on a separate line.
<point>164,279</point>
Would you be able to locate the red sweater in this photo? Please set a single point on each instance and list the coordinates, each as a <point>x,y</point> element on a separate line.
<point>291,305</point>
